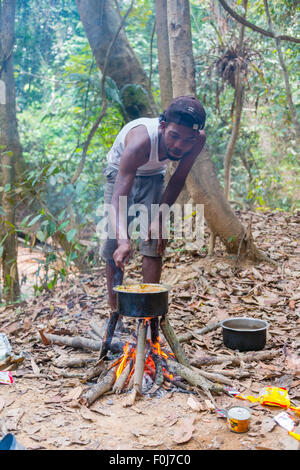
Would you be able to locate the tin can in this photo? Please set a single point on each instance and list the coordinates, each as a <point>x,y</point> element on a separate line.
<point>238,418</point>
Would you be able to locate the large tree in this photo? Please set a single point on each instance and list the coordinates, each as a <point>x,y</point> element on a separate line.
<point>9,152</point>
<point>202,183</point>
<point>101,21</point>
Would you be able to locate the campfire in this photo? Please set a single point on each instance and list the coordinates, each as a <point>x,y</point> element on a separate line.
<point>155,367</point>
<point>150,362</point>
<point>143,368</point>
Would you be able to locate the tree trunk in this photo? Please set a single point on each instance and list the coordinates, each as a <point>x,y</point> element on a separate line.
<point>238,98</point>
<point>182,63</point>
<point>204,188</point>
<point>164,66</point>
<point>181,52</point>
<point>101,21</point>
<point>202,183</point>
<point>10,150</point>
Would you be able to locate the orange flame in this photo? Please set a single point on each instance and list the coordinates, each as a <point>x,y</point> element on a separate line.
<point>123,360</point>
<point>129,353</point>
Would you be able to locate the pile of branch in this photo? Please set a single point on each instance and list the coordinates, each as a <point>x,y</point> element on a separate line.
<point>131,378</point>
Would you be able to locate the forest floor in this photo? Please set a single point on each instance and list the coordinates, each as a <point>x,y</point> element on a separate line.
<point>41,406</point>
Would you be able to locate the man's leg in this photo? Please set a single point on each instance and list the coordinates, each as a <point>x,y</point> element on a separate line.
<point>151,268</point>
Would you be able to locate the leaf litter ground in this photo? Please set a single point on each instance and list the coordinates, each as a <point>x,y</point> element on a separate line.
<point>41,407</point>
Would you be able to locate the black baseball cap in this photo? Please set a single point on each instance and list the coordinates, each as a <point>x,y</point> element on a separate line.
<point>186,110</point>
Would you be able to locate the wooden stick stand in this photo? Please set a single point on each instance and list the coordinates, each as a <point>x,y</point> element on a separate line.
<point>173,342</point>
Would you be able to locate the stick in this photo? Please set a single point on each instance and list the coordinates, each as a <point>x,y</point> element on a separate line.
<point>75,341</point>
<point>93,335</point>
<point>170,336</point>
<point>194,378</point>
<point>120,382</point>
<point>74,362</point>
<point>99,388</point>
<point>214,377</point>
<point>235,361</point>
<point>154,326</point>
<point>241,374</point>
<point>202,331</point>
<point>140,357</point>
<point>108,335</point>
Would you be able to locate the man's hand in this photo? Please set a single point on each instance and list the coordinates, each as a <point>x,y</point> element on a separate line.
<point>122,254</point>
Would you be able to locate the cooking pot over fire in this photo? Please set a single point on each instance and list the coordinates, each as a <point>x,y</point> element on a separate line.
<point>142,300</point>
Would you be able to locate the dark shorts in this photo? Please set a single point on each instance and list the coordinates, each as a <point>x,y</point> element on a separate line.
<point>146,190</point>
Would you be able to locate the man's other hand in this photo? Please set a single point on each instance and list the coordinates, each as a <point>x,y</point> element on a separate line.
<point>122,254</point>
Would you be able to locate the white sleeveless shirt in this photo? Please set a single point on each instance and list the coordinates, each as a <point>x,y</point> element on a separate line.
<point>153,166</point>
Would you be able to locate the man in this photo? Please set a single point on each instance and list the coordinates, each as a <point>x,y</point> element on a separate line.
<point>136,166</point>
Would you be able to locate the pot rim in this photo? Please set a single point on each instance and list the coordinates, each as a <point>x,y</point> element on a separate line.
<point>163,288</point>
<point>266,324</point>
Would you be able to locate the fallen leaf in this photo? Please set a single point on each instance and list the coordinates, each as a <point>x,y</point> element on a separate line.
<point>185,432</point>
<point>194,404</point>
<point>87,414</point>
<point>268,425</point>
<point>74,393</point>
<point>34,366</point>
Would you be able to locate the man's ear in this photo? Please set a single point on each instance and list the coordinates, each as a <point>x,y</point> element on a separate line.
<point>163,126</point>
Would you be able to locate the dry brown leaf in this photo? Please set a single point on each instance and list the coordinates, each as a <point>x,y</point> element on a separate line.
<point>34,366</point>
<point>194,404</point>
<point>293,362</point>
<point>185,432</point>
<point>87,414</point>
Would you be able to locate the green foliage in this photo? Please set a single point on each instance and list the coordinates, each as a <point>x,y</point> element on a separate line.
<point>265,170</point>
<point>58,90</point>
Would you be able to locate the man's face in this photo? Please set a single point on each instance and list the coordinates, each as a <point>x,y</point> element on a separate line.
<point>178,140</point>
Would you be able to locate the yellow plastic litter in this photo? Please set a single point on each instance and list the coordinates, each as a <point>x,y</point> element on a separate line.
<point>272,396</point>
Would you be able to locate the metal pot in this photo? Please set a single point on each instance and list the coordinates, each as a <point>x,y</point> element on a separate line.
<point>137,304</point>
<point>244,334</point>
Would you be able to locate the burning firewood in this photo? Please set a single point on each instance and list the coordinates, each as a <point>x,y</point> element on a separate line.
<point>140,357</point>
<point>97,390</point>
<point>123,377</point>
<point>159,377</point>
